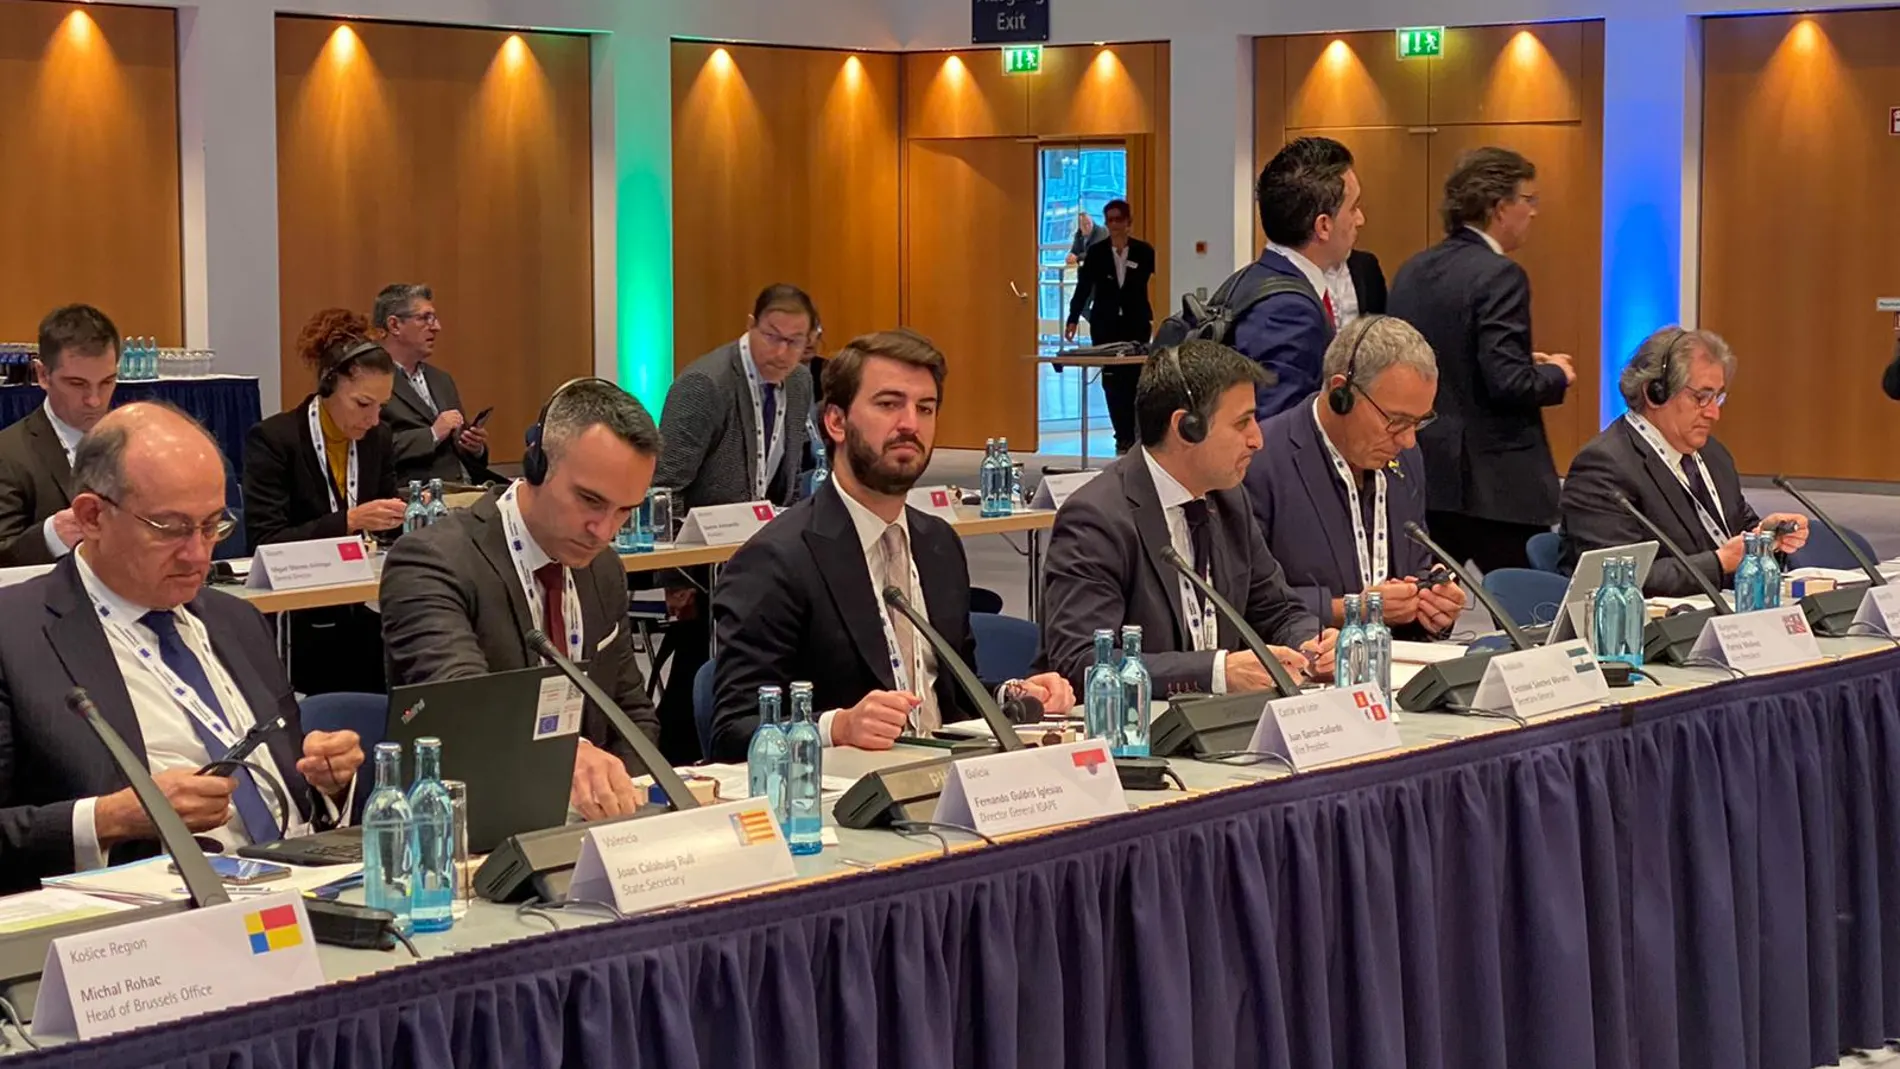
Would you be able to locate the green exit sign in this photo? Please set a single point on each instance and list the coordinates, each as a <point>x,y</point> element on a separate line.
<point>1421,41</point>
<point>1026,59</point>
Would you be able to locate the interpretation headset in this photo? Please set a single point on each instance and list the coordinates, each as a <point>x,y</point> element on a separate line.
<point>534,460</point>
<point>326,382</point>
<point>1341,398</point>
<point>1657,391</point>
<point>1194,422</point>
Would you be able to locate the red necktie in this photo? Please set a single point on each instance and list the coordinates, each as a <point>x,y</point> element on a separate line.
<point>1332,319</point>
<point>549,576</point>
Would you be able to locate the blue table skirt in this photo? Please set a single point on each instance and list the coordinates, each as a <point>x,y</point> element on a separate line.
<point>1694,882</point>
<point>228,407</point>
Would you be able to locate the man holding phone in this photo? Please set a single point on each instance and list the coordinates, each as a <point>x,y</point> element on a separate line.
<point>433,439</point>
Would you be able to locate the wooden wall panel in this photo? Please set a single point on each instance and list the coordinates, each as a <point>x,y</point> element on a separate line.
<point>964,94</point>
<point>456,157</point>
<point>1083,91</point>
<point>1511,74</point>
<point>1795,127</point>
<point>89,201</point>
<point>785,169</point>
<point>1352,79</point>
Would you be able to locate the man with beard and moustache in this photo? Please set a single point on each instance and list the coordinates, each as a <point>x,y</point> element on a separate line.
<point>802,599</point>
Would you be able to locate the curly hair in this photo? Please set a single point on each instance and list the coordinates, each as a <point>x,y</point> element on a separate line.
<point>328,336</point>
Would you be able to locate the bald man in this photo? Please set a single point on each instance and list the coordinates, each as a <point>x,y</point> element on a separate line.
<point>181,671</point>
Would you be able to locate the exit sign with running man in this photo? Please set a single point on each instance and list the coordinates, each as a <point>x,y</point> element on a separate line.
<point>1421,41</point>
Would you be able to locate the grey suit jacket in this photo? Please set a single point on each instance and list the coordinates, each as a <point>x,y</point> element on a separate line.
<point>1105,569</point>
<point>453,608</point>
<point>711,456</point>
<point>411,419</point>
<point>35,482</point>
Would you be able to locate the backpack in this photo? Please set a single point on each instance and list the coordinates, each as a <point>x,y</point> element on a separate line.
<point>1215,318</point>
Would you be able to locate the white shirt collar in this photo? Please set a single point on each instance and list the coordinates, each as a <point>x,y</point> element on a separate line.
<point>119,607</point>
<point>870,526</point>
<point>1169,489</point>
<point>1488,239</point>
<point>532,554</point>
<point>69,435</point>
<point>1674,456</point>
<point>1314,275</point>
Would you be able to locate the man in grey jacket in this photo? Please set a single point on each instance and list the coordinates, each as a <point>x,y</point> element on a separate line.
<point>434,438</point>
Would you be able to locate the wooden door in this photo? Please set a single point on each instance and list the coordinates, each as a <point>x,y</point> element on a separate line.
<point>970,281</point>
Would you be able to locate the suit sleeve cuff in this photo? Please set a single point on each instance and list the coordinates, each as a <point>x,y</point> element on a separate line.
<point>87,854</point>
<point>824,726</point>
<point>54,544</point>
<point>1218,684</point>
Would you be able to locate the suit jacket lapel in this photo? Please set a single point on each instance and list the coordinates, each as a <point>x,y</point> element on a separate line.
<point>748,427</point>
<point>1671,490</point>
<point>1151,527</point>
<point>1316,476</point>
<point>318,461</point>
<point>492,540</point>
<point>833,541</point>
<point>405,392</point>
<point>52,454</point>
<point>79,640</point>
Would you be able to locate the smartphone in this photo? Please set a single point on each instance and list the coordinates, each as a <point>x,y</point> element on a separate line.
<point>1784,527</point>
<point>482,416</point>
<point>242,871</point>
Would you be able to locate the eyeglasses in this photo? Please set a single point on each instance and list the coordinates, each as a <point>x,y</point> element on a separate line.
<point>1707,396</point>
<point>1397,425</point>
<point>217,530</point>
<point>427,319</point>
<point>796,341</point>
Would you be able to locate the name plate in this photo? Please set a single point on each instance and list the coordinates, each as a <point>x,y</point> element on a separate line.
<point>201,961</point>
<point>1537,682</point>
<point>698,853</point>
<point>1880,611</point>
<point>1324,726</point>
<point>1034,788</point>
<point>936,500</point>
<point>318,562</point>
<point>1756,641</point>
<point>725,525</point>
<point>1055,489</point>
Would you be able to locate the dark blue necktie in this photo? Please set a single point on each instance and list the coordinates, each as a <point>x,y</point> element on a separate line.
<point>771,417</point>
<point>259,824</point>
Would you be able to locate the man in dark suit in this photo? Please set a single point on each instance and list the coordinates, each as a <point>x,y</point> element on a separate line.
<point>1357,287</point>
<point>78,367</point>
<point>1488,465</point>
<point>803,599</point>
<point>181,670</point>
<point>1353,449</point>
<point>1180,489</point>
<point>1662,456</point>
<point>435,439</point>
<point>1111,289</point>
<point>1309,208</point>
<point>460,597</point>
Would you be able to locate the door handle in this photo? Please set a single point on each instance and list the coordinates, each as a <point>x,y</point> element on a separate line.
<point>1020,295</point>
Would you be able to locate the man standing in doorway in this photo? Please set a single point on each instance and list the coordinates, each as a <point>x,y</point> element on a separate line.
<point>434,439</point>
<point>1111,289</point>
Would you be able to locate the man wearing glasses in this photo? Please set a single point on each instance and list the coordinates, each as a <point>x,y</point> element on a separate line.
<point>184,672</point>
<point>1338,477</point>
<point>1662,455</point>
<point>433,438</point>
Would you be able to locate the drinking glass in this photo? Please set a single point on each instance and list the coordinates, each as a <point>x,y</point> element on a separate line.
<point>464,872</point>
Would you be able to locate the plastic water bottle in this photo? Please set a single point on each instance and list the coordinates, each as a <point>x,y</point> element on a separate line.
<point>1137,689</point>
<point>804,782</point>
<point>412,516</point>
<point>1378,643</point>
<point>1349,660</point>
<point>388,852</point>
<point>1102,691</point>
<point>1635,615</point>
<point>432,828</point>
<point>438,502</point>
<point>1606,613</point>
<point>1005,479</point>
<point>1748,576</point>
<point>148,359</point>
<point>1770,573</point>
<point>988,479</point>
<point>769,759</point>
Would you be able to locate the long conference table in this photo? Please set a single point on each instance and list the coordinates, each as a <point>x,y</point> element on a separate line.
<point>1698,874</point>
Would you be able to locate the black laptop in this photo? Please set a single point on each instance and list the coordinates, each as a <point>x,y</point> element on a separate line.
<point>519,767</point>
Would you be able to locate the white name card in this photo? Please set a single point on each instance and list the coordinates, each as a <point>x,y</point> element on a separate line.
<point>1324,726</point>
<point>201,961</point>
<point>1757,641</point>
<point>1536,682</point>
<point>695,853</point>
<point>1055,489</point>
<point>936,500</point>
<point>317,562</point>
<point>1034,788</point>
<point>725,525</point>
<point>1888,304</point>
<point>1880,611</point>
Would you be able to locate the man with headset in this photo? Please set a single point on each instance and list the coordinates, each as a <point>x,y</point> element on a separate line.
<point>1107,566</point>
<point>1338,477</point>
<point>460,597</point>
<point>1662,456</point>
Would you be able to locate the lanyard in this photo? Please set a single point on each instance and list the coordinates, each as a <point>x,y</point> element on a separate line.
<point>902,674</point>
<point>323,460</point>
<point>1203,624</point>
<point>1375,561</point>
<point>769,460</point>
<point>1716,526</point>
<point>517,552</point>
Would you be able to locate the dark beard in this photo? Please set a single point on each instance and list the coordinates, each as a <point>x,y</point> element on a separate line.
<point>869,467</point>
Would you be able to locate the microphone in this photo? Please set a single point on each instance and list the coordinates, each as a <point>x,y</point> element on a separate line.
<point>1453,684</point>
<point>677,796</point>
<point>949,660</point>
<point>1282,681</point>
<point>1860,558</point>
<point>1832,613</point>
<point>1670,639</point>
<point>1509,626</point>
<point>1721,605</point>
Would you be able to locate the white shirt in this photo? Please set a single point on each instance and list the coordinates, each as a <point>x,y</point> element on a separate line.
<point>870,528</point>
<point>1345,294</point>
<point>1173,496</point>
<point>1488,239</point>
<point>69,436</point>
<point>1121,263</point>
<point>1314,276</point>
<point>171,742</point>
<point>1678,460</point>
<point>421,383</point>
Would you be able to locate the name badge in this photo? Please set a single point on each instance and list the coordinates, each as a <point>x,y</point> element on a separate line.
<point>1323,726</point>
<point>1035,788</point>
<point>696,853</point>
<point>725,525</point>
<point>1055,489</point>
<point>317,562</point>
<point>1537,682</point>
<point>936,500</point>
<point>180,965</point>
<point>1755,641</point>
<point>1880,611</point>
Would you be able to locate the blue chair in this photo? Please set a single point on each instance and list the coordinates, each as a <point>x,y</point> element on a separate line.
<point>1544,549</point>
<point>1826,551</point>
<point>1005,646</point>
<point>343,710</point>
<point>1530,596</point>
<point>703,706</point>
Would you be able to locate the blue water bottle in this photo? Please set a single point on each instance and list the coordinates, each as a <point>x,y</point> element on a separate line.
<point>1748,576</point>
<point>388,851</point>
<point>438,502</point>
<point>1378,643</point>
<point>1607,612</point>
<point>769,759</point>
<point>805,782</point>
<point>412,515</point>
<point>432,827</point>
<point>1102,691</point>
<point>1349,659</point>
<point>1770,573</point>
<point>1635,615</point>
<point>1137,690</point>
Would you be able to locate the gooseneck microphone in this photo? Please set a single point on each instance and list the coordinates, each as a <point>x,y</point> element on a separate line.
<point>677,796</point>
<point>1831,613</point>
<point>949,660</point>
<point>1282,680</point>
<point>1504,621</point>
<point>1853,547</point>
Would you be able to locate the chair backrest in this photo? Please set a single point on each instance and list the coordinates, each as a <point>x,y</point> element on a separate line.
<point>1530,596</point>
<point>344,710</point>
<point>983,599</point>
<point>1544,548</point>
<point>703,705</point>
<point>1005,646</point>
<point>1826,551</point>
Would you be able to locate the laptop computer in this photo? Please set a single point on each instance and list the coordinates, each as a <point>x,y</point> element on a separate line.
<point>1573,615</point>
<point>518,763</point>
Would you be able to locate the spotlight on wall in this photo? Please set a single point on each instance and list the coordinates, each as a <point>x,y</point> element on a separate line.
<point>514,52</point>
<point>721,61</point>
<point>1338,54</point>
<point>79,28</point>
<point>853,71</point>
<point>1806,35</point>
<point>343,45</point>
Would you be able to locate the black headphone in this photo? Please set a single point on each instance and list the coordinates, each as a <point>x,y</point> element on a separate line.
<point>1193,422</point>
<point>1341,398</point>
<point>1657,390</point>
<point>534,460</point>
<point>326,382</point>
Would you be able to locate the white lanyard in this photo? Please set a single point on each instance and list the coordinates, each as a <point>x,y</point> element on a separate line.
<point>517,532</point>
<point>902,674</point>
<point>769,459</point>
<point>1375,554</point>
<point>1716,526</point>
<point>1203,624</point>
<point>323,460</point>
<point>183,693</point>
